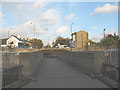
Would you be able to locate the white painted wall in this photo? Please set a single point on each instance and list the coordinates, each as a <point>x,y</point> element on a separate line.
<point>15,41</point>
<point>74,37</point>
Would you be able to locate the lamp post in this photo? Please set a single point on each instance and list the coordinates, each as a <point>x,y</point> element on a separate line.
<point>104,36</point>
<point>104,33</point>
<point>9,31</point>
<point>33,27</point>
<point>71,36</point>
<point>48,34</point>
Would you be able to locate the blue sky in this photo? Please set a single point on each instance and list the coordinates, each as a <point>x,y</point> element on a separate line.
<point>57,17</point>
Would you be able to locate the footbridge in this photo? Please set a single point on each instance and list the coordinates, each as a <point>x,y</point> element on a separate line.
<point>60,69</point>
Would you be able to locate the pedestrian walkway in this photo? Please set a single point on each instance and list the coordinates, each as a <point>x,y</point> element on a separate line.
<point>56,74</point>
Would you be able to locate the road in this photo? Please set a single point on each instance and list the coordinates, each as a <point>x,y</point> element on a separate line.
<point>56,74</point>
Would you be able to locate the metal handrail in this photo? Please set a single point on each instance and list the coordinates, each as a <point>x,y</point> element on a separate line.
<point>19,66</point>
<point>115,66</point>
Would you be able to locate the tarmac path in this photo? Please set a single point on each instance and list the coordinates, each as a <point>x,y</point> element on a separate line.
<point>56,74</point>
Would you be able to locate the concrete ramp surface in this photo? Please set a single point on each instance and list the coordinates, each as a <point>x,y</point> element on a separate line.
<point>56,74</point>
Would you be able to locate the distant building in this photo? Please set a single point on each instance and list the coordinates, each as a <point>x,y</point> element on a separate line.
<point>3,46</point>
<point>79,39</point>
<point>18,42</point>
<point>61,46</point>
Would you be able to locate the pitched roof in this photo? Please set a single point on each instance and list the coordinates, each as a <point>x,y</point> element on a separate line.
<point>20,39</point>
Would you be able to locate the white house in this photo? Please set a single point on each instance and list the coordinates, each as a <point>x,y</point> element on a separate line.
<point>18,42</point>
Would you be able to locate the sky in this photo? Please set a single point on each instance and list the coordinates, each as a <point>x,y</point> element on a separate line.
<point>53,19</point>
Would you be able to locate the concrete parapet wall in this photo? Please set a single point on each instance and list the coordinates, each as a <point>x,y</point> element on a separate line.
<point>30,62</point>
<point>10,76</point>
<point>17,66</point>
<point>10,60</point>
<point>88,61</point>
<point>99,58</point>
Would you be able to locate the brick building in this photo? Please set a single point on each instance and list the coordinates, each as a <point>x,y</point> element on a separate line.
<point>79,39</point>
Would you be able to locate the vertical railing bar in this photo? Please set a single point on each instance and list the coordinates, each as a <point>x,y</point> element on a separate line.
<point>12,61</point>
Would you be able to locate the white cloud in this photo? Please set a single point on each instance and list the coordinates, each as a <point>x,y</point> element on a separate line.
<point>111,31</point>
<point>1,14</point>
<point>3,32</point>
<point>62,29</point>
<point>39,4</point>
<point>28,29</point>
<point>94,28</point>
<point>19,12</point>
<point>96,37</point>
<point>77,18</point>
<point>20,6</point>
<point>69,17</point>
<point>50,17</point>
<point>25,11</point>
<point>93,14</point>
<point>24,30</point>
<point>106,8</point>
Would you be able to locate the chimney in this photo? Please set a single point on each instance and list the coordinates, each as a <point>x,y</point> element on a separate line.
<point>27,38</point>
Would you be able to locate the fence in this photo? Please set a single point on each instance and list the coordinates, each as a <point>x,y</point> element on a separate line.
<point>111,66</point>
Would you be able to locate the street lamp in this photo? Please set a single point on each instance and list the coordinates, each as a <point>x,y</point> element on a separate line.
<point>9,31</point>
<point>71,36</point>
<point>104,37</point>
<point>48,33</point>
<point>33,27</point>
<point>104,33</point>
<point>48,37</point>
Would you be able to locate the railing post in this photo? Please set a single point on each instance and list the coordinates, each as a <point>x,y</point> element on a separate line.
<point>118,77</point>
<point>12,61</point>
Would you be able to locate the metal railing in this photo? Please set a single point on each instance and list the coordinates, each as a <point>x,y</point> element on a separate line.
<point>11,68</point>
<point>111,71</point>
<point>111,66</point>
